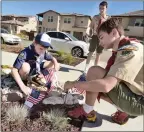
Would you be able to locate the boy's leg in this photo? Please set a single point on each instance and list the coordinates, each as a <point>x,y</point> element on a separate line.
<point>92,48</point>
<point>99,50</point>
<point>87,109</point>
<point>24,71</point>
<point>94,73</point>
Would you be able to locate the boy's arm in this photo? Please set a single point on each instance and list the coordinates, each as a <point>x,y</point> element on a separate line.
<point>100,85</point>
<point>19,81</point>
<point>49,57</point>
<point>17,65</point>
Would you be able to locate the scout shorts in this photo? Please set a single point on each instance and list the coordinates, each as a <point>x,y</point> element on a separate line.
<point>94,45</point>
<point>126,100</point>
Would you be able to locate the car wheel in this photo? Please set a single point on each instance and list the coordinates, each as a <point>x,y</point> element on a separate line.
<point>2,40</point>
<point>77,52</point>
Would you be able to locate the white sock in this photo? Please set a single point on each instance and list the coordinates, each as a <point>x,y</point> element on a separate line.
<point>87,108</point>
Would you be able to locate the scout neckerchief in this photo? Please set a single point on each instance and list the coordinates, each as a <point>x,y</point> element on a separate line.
<point>100,21</point>
<point>114,53</point>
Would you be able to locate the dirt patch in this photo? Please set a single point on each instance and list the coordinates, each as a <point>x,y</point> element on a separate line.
<point>67,59</point>
<point>36,121</point>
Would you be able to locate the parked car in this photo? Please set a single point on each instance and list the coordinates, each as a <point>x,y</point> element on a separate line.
<point>65,42</point>
<point>6,37</point>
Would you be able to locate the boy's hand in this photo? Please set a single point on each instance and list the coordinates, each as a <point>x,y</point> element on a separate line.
<point>27,91</point>
<point>68,85</point>
<point>56,67</point>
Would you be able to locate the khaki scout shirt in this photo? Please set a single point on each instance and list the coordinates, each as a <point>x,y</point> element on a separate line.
<point>95,23</point>
<point>128,66</point>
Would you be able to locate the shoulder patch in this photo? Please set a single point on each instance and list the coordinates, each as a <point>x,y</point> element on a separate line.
<point>126,52</point>
<point>21,56</point>
<point>129,47</point>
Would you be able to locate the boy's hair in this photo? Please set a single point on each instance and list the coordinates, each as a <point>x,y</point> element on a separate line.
<point>110,24</point>
<point>103,3</point>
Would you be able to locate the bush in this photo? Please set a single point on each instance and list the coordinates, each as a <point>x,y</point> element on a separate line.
<point>61,53</point>
<point>22,36</point>
<point>57,118</point>
<point>16,114</point>
<point>66,57</point>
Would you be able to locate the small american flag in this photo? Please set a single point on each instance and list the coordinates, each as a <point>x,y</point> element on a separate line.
<point>37,96</point>
<point>49,77</point>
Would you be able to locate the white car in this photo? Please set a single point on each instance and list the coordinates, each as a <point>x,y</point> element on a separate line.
<point>67,43</point>
<point>6,37</point>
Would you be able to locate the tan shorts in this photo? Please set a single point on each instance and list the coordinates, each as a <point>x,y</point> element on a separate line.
<point>94,45</point>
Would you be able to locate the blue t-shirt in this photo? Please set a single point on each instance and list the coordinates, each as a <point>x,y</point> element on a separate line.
<point>30,56</point>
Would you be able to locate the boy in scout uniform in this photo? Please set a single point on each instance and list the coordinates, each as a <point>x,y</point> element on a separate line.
<point>94,42</point>
<point>120,83</point>
<point>32,60</point>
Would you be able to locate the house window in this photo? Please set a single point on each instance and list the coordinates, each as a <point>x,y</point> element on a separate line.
<point>39,30</point>
<point>142,24</point>
<point>81,21</point>
<point>43,29</point>
<point>139,22</point>
<point>15,29</point>
<point>67,20</point>
<point>53,29</point>
<point>50,18</point>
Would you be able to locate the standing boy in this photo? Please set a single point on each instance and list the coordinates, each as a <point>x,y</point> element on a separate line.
<point>94,42</point>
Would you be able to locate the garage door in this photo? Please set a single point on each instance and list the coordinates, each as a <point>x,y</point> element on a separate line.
<point>78,35</point>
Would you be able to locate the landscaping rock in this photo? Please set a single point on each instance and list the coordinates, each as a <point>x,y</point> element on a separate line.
<point>9,95</point>
<point>70,99</point>
<point>53,100</point>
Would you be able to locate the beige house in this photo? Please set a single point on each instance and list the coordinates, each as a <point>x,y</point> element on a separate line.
<point>133,23</point>
<point>75,24</point>
<point>15,24</point>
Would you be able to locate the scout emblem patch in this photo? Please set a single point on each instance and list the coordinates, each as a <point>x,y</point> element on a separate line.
<point>124,53</point>
<point>21,56</point>
<point>129,47</point>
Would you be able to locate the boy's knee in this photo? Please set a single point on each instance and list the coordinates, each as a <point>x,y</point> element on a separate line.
<point>96,71</point>
<point>25,69</point>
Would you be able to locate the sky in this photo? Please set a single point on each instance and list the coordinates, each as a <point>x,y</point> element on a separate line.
<point>86,7</point>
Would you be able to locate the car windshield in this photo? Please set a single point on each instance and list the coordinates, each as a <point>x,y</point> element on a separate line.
<point>72,37</point>
<point>4,31</point>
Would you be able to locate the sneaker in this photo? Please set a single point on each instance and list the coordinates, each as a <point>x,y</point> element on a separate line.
<point>120,117</point>
<point>79,113</point>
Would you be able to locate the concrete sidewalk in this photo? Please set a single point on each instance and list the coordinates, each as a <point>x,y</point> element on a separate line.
<point>104,109</point>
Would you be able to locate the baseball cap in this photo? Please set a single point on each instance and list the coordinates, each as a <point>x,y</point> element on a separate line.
<point>44,40</point>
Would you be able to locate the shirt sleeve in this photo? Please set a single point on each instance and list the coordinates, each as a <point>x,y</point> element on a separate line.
<point>20,60</point>
<point>48,56</point>
<point>124,67</point>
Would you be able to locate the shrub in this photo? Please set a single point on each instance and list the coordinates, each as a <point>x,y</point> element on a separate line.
<point>57,118</point>
<point>16,114</point>
<point>22,35</point>
<point>68,58</point>
<point>61,53</point>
